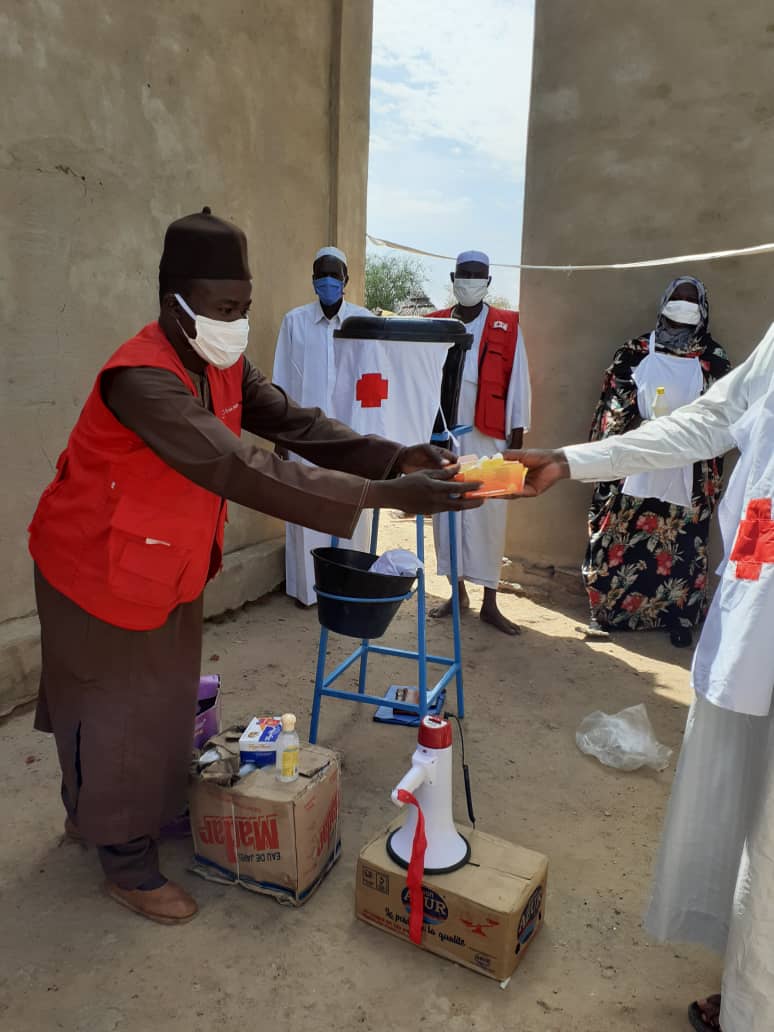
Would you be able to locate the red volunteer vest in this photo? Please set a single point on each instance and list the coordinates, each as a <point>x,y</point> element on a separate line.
<point>495,365</point>
<point>118,531</point>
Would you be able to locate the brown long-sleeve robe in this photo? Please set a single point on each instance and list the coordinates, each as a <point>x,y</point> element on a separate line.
<point>120,703</point>
<point>157,406</point>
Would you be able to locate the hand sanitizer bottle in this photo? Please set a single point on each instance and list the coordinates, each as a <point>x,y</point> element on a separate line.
<point>660,404</point>
<point>287,749</point>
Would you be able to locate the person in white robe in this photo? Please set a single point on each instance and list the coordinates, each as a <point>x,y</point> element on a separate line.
<point>304,368</point>
<point>481,534</point>
<point>714,877</point>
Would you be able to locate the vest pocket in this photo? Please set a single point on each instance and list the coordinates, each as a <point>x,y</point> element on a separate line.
<point>145,570</point>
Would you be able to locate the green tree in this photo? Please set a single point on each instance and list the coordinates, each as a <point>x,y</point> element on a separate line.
<point>390,279</point>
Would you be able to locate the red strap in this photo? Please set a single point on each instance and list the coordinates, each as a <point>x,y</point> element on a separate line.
<point>416,869</point>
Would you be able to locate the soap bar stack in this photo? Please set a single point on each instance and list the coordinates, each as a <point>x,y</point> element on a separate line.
<point>498,477</point>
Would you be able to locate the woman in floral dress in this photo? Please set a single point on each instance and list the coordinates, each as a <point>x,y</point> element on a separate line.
<point>646,562</point>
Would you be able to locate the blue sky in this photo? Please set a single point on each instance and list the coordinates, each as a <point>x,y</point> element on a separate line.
<point>449,110</point>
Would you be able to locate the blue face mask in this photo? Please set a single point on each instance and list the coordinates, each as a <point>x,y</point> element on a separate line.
<point>328,289</point>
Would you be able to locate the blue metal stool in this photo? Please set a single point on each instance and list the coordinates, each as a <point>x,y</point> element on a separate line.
<point>453,664</point>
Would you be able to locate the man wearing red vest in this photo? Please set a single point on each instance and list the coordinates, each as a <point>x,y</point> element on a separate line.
<point>495,400</point>
<point>131,529</point>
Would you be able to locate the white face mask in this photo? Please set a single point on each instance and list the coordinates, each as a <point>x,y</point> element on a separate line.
<point>219,343</point>
<point>470,291</point>
<point>687,313</point>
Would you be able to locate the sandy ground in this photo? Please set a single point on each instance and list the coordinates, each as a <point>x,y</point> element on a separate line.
<point>72,960</point>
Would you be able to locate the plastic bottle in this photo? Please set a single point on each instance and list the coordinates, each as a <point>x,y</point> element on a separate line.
<point>660,404</point>
<point>287,749</point>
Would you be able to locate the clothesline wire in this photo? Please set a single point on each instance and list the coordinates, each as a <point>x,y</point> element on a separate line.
<point>650,263</point>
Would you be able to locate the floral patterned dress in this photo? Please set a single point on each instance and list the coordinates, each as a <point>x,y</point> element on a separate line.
<point>646,562</point>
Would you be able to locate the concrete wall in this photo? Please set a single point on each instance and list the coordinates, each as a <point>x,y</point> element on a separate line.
<point>651,134</point>
<point>116,119</point>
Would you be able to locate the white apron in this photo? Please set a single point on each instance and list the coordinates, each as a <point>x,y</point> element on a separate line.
<point>683,382</point>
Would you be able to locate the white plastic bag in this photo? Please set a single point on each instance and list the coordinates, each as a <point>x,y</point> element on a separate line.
<point>624,740</point>
<point>398,562</point>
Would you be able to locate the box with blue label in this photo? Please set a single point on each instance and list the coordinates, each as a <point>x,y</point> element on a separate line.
<point>258,743</point>
<point>484,916</point>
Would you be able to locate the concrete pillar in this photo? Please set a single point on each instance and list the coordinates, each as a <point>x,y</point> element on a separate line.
<point>349,128</point>
<point>651,134</point>
<point>118,119</point>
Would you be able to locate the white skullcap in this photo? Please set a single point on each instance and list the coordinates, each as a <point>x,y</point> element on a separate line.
<point>333,252</point>
<point>473,256</point>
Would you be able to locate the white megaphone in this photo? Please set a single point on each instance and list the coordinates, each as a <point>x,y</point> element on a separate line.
<point>430,781</point>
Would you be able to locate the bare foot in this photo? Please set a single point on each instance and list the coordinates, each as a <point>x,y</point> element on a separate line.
<point>493,616</point>
<point>446,609</point>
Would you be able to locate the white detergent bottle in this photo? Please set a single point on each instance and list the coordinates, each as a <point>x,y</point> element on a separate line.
<point>660,403</point>
<point>287,749</point>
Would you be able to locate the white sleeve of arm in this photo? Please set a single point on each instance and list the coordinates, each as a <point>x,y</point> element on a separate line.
<point>701,430</point>
<point>518,407</point>
<point>281,372</point>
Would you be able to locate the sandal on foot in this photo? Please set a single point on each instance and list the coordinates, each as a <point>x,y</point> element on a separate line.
<point>681,637</point>
<point>596,630</point>
<point>704,1015</point>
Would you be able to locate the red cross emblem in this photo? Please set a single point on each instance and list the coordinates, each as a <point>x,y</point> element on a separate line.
<point>754,543</point>
<point>371,390</point>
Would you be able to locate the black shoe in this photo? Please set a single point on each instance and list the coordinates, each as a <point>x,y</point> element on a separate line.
<point>681,637</point>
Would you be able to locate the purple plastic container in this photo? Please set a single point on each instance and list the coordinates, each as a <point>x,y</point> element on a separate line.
<point>207,724</point>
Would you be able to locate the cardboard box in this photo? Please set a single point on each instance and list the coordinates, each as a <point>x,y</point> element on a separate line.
<point>208,716</point>
<point>484,916</point>
<point>268,836</point>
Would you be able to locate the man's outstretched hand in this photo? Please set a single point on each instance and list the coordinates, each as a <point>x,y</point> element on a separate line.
<point>426,492</point>
<point>423,456</point>
<point>545,468</point>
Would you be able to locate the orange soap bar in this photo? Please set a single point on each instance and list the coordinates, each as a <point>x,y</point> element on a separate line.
<point>498,477</point>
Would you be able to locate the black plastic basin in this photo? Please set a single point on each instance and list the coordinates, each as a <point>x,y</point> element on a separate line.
<point>344,572</point>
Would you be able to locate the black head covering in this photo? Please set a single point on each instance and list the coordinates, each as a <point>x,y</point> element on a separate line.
<point>684,339</point>
<point>202,246</point>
